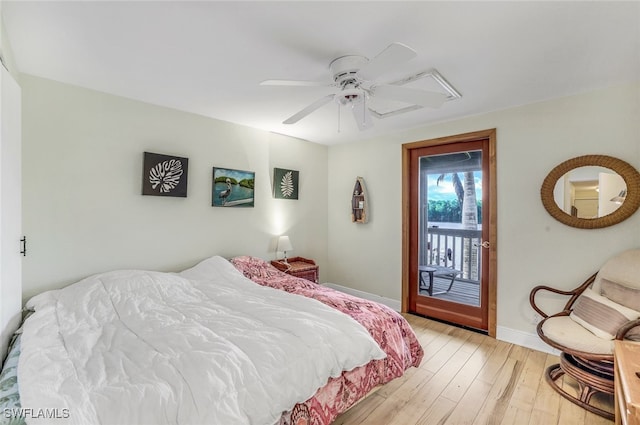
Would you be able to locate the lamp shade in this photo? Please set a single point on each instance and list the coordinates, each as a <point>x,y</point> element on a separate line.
<point>284,244</point>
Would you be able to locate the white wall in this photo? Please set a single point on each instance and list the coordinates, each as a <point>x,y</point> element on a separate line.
<point>533,248</point>
<point>10,213</point>
<point>82,205</point>
<point>10,199</point>
<point>609,186</point>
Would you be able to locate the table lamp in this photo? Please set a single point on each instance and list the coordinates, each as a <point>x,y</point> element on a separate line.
<point>284,245</point>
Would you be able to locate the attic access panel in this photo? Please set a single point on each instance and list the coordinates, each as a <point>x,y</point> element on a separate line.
<point>430,80</point>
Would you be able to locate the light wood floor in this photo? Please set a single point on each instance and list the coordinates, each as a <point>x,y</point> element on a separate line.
<point>469,378</point>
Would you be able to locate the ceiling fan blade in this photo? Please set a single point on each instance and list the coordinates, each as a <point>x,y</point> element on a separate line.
<point>362,116</point>
<point>409,95</point>
<point>301,83</point>
<point>309,109</point>
<point>386,60</point>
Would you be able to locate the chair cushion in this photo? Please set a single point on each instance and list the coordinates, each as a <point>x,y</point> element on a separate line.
<point>568,333</point>
<point>600,315</point>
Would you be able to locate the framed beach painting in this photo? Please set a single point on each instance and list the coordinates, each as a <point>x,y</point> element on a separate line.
<point>232,188</point>
<point>285,183</point>
<point>164,175</point>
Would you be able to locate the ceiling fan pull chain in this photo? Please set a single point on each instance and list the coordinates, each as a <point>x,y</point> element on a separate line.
<point>364,109</point>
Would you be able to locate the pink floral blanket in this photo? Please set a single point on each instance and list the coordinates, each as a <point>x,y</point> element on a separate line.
<point>390,330</point>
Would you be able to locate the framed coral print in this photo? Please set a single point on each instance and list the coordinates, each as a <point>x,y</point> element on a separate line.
<point>164,175</point>
<point>232,188</point>
<point>285,183</point>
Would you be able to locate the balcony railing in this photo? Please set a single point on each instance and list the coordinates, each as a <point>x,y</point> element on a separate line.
<point>456,248</point>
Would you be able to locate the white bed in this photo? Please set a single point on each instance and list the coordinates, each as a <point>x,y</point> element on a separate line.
<point>203,346</point>
<point>234,342</point>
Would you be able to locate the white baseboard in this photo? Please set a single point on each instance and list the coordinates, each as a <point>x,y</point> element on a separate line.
<point>389,302</point>
<point>524,339</point>
<point>513,336</point>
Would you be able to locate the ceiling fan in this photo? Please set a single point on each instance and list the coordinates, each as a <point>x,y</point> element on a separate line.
<point>354,77</point>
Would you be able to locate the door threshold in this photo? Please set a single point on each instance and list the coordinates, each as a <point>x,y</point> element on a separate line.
<point>457,325</point>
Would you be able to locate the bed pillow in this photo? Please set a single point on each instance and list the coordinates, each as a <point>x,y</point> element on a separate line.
<point>253,267</point>
<point>621,294</point>
<point>263,273</point>
<point>600,315</point>
<point>9,392</point>
<point>625,295</point>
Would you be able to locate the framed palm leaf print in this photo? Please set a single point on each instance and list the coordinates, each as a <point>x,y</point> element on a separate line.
<point>164,175</point>
<point>285,183</point>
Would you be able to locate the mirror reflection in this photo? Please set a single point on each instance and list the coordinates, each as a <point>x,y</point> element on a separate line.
<point>590,192</point>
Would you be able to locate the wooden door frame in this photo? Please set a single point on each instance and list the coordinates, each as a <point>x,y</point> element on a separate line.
<point>489,135</point>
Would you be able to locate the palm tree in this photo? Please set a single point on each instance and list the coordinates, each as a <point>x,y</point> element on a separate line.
<point>466,194</point>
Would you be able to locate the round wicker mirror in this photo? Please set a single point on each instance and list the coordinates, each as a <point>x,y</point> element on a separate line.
<point>630,204</point>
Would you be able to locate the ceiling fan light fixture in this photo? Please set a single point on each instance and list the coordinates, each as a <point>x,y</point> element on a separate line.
<point>350,96</point>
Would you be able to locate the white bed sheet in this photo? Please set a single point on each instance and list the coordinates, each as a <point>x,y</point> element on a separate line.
<point>203,346</point>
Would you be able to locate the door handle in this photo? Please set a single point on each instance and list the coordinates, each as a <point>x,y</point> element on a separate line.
<point>485,244</point>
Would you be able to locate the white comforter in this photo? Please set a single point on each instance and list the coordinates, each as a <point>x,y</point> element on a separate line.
<point>205,346</point>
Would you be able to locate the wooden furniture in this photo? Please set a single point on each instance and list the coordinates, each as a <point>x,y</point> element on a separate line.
<point>627,383</point>
<point>587,357</point>
<point>434,270</point>
<point>298,267</point>
<point>592,371</point>
<point>359,203</point>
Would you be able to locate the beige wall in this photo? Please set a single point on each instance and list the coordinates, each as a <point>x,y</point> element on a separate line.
<point>533,248</point>
<point>82,204</point>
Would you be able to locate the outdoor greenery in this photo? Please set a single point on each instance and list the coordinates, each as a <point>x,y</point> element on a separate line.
<point>248,183</point>
<point>223,179</point>
<point>448,211</point>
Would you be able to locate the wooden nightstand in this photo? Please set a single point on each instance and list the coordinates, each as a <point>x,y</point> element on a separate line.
<point>298,267</point>
<point>627,384</point>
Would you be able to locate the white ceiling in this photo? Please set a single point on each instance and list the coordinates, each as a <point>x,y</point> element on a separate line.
<point>208,57</point>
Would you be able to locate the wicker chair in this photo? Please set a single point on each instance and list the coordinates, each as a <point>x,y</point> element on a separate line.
<point>605,307</point>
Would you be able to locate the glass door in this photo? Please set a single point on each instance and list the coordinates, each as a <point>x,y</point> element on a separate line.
<point>449,240</point>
